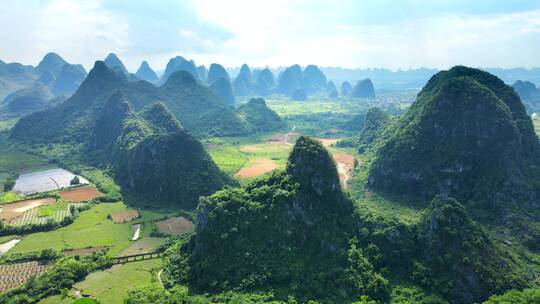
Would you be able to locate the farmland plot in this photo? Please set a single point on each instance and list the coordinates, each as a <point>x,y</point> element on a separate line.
<point>33,216</point>
<point>14,275</point>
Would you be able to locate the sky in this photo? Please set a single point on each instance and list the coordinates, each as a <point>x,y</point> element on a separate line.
<point>348,33</point>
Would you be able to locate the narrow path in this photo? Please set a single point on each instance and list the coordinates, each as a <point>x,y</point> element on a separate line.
<point>288,135</point>
<point>159,278</point>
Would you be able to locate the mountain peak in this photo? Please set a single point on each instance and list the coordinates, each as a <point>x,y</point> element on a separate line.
<point>145,72</point>
<point>313,167</point>
<point>179,63</point>
<point>363,89</point>
<point>180,78</point>
<point>161,118</point>
<point>245,72</point>
<point>461,138</point>
<point>52,62</point>
<point>216,71</point>
<point>112,61</point>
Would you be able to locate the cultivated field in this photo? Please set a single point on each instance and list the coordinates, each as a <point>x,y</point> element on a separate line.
<point>176,225</point>
<point>111,285</point>
<point>124,216</point>
<point>144,245</point>
<point>327,142</point>
<point>91,229</point>
<point>44,214</point>
<point>10,212</point>
<point>80,194</point>
<point>14,275</point>
<point>256,167</point>
<point>233,154</point>
<point>84,251</point>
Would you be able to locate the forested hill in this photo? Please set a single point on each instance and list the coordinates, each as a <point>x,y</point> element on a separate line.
<point>468,136</point>
<point>198,109</point>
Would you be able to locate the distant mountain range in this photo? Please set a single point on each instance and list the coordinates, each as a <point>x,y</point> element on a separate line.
<point>26,89</point>
<point>32,89</point>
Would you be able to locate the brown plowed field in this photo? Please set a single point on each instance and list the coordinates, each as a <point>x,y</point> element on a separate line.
<point>12,211</point>
<point>80,194</point>
<point>175,225</point>
<point>327,142</point>
<point>124,216</point>
<point>256,168</point>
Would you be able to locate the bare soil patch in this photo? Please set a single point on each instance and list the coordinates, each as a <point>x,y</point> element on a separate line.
<point>175,225</point>
<point>9,212</point>
<point>345,165</point>
<point>250,148</point>
<point>80,194</point>
<point>124,216</point>
<point>84,251</point>
<point>257,167</point>
<point>327,142</point>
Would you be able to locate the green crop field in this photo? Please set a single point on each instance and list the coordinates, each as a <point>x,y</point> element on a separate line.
<point>289,108</point>
<point>90,229</point>
<point>231,154</point>
<point>111,285</point>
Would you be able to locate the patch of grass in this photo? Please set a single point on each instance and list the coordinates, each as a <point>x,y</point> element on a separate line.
<point>536,122</point>
<point>231,155</point>
<point>84,301</point>
<point>228,158</point>
<point>104,182</point>
<point>111,285</point>
<point>406,212</point>
<point>7,124</point>
<point>8,238</point>
<point>8,197</point>
<point>14,161</point>
<point>50,210</point>
<point>57,299</point>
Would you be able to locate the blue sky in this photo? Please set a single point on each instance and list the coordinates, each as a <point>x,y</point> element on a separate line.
<point>349,33</point>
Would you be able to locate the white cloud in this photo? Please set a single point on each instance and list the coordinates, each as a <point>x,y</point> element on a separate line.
<point>80,31</point>
<point>279,33</point>
<point>275,33</point>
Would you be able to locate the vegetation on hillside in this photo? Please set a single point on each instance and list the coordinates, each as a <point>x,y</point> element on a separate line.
<point>290,234</point>
<point>467,135</point>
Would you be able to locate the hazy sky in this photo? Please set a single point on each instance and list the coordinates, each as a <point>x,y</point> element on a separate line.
<point>348,33</point>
